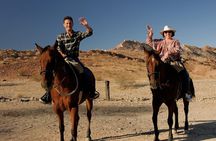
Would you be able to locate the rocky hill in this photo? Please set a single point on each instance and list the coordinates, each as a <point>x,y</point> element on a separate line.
<point>125,62</point>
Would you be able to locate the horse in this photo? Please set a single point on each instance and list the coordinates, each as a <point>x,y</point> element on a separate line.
<point>62,82</point>
<point>166,87</point>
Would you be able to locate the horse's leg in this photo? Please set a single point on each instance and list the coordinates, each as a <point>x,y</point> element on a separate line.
<point>60,115</point>
<point>176,118</point>
<point>74,122</point>
<point>89,106</point>
<point>186,109</point>
<point>171,107</point>
<point>61,125</point>
<point>156,105</point>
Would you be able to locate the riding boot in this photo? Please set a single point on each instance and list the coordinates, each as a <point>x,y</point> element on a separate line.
<point>94,95</point>
<point>46,98</point>
<point>186,84</point>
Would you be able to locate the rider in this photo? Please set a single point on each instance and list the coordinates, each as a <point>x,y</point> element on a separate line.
<point>170,52</point>
<point>68,46</point>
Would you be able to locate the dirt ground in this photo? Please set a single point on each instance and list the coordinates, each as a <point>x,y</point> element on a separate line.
<point>126,117</point>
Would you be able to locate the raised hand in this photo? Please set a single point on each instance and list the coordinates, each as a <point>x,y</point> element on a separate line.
<point>149,30</point>
<point>83,21</point>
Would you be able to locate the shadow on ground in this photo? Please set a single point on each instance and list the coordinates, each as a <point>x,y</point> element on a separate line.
<point>201,130</point>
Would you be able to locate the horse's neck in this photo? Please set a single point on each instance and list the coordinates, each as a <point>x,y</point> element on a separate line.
<point>62,69</point>
<point>166,72</point>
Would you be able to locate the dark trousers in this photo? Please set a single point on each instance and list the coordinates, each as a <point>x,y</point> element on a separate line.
<point>184,76</point>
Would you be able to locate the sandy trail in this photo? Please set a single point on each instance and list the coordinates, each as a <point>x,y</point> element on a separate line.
<point>126,117</point>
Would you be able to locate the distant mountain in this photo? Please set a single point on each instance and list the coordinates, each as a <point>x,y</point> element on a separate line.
<point>123,62</point>
<point>189,51</point>
<point>201,62</point>
<point>130,45</point>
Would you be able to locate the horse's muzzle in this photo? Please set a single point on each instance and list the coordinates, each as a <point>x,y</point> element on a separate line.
<point>154,85</point>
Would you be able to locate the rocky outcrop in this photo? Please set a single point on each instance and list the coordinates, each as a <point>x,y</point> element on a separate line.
<point>129,45</point>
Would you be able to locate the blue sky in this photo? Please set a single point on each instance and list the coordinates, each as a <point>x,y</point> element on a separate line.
<point>24,22</point>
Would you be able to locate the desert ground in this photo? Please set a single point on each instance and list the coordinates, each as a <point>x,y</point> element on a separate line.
<point>125,117</point>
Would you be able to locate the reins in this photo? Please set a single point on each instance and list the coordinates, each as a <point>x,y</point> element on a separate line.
<point>56,86</point>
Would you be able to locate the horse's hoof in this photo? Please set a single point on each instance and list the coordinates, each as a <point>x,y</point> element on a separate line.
<point>156,139</point>
<point>170,138</point>
<point>88,139</point>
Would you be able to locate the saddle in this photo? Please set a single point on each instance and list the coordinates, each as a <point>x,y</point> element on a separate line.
<point>84,76</point>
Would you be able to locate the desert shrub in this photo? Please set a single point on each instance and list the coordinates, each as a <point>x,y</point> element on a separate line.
<point>125,81</point>
<point>23,72</point>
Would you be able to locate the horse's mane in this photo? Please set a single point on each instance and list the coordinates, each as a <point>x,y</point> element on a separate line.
<point>46,48</point>
<point>53,51</point>
<point>150,51</point>
<point>147,47</point>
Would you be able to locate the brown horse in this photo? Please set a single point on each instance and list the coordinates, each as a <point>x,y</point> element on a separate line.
<point>63,84</point>
<point>166,88</point>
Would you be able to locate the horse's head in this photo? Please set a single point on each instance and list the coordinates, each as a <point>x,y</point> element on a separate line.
<point>153,61</point>
<point>47,65</point>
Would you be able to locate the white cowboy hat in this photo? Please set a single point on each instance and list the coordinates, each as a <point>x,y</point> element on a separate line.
<point>167,28</point>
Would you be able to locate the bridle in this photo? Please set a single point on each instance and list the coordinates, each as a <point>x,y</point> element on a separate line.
<point>155,73</point>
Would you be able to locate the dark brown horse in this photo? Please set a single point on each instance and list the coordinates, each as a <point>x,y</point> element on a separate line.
<point>166,88</point>
<point>64,86</point>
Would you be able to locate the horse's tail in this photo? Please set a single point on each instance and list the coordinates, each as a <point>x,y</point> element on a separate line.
<point>192,90</point>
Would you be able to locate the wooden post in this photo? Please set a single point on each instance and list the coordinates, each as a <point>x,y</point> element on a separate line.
<point>107,90</point>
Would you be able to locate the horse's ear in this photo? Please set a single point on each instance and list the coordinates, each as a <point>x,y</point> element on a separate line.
<point>147,50</point>
<point>38,49</point>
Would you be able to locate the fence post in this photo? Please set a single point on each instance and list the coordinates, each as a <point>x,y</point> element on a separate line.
<point>107,90</point>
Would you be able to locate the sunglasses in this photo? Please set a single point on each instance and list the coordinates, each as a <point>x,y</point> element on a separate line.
<point>167,31</point>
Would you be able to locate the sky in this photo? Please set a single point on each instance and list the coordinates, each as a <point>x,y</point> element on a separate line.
<point>26,22</point>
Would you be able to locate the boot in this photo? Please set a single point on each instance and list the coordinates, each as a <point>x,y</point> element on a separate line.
<point>46,98</point>
<point>94,95</point>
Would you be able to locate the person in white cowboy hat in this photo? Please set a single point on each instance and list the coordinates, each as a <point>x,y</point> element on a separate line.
<point>170,52</point>
<point>168,47</point>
